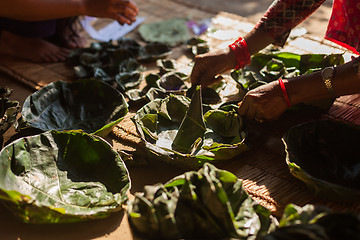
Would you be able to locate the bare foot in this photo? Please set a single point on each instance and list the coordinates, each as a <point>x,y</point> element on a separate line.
<point>33,49</point>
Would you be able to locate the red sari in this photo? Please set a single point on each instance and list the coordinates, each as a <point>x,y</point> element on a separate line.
<point>344,24</point>
<point>343,28</point>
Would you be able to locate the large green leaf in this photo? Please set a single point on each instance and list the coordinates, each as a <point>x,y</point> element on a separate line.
<point>90,105</point>
<point>171,32</point>
<point>323,154</point>
<point>192,126</point>
<point>196,143</point>
<point>57,177</point>
<point>207,204</point>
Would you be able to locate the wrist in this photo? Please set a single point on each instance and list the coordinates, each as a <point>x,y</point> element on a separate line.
<point>231,57</point>
<point>306,88</point>
<point>241,52</point>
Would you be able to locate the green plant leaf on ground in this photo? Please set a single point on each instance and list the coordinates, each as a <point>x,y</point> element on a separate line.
<point>58,177</point>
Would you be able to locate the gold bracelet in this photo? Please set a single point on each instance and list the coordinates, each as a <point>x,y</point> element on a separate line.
<point>327,74</point>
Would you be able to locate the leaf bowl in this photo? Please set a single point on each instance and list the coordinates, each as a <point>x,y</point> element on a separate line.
<point>206,204</point>
<point>90,105</point>
<point>176,129</point>
<point>323,154</point>
<point>61,177</point>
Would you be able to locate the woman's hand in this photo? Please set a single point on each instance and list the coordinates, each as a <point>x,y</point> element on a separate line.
<point>207,66</point>
<point>263,103</point>
<point>124,11</point>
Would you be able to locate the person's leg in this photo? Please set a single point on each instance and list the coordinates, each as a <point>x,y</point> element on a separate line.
<point>26,40</point>
<point>36,29</point>
<point>67,33</point>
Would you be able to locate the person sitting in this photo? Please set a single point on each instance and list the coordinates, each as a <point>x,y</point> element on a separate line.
<point>44,31</point>
<point>268,102</point>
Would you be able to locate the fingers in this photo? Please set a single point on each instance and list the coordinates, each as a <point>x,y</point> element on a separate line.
<point>131,5</point>
<point>203,77</point>
<point>125,11</point>
<point>247,109</point>
<point>123,19</point>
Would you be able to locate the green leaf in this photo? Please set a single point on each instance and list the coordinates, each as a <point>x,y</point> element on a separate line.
<point>90,105</point>
<point>327,164</point>
<point>58,177</point>
<point>267,67</point>
<point>192,127</point>
<point>207,204</point>
<point>224,123</point>
<point>208,146</point>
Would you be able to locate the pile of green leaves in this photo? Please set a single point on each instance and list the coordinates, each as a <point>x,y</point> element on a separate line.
<point>268,67</point>
<point>117,64</point>
<point>324,155</point>
<point>159,85</point>
<point>169,80</point>
<point>58,177</point>
<point>176,129</point>
<point>212,204</point>
<point>207,204</point>
<point>90,105</point>
<point>315,223</point>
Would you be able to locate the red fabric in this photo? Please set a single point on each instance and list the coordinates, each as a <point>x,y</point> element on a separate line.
<point>283,89</point>
<point>241,52</point>
<point>344,24</point>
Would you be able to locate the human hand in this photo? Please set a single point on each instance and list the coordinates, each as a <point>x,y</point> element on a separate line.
<point>124,11</point>
<point>207,66</point>
<point>265,102</point>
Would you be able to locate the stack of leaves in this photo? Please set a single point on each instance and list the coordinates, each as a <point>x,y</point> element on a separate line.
<point>168,80</point>
<point>212,204</point>
<point>117,64</point>
<point>159,85</point>
<point>268,67</point>
<point>323,154</point>
<point>59,177</point>
<point>176,129</point>
<point>207,204</point>
<point>90,105</point>
<point>8,112</point>
<point>315,223</point>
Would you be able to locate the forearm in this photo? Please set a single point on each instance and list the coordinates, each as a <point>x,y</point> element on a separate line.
<point>38,10</point>
<point>284,15</point>
<point>311,87</point>
<point>257,40</point>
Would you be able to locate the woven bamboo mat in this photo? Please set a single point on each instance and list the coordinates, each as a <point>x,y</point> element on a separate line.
<point>263,169</point>
<point>36,75</point>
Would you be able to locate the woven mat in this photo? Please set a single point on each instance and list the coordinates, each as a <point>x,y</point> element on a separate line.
<point>263,169</point>
<point>36,75</point>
